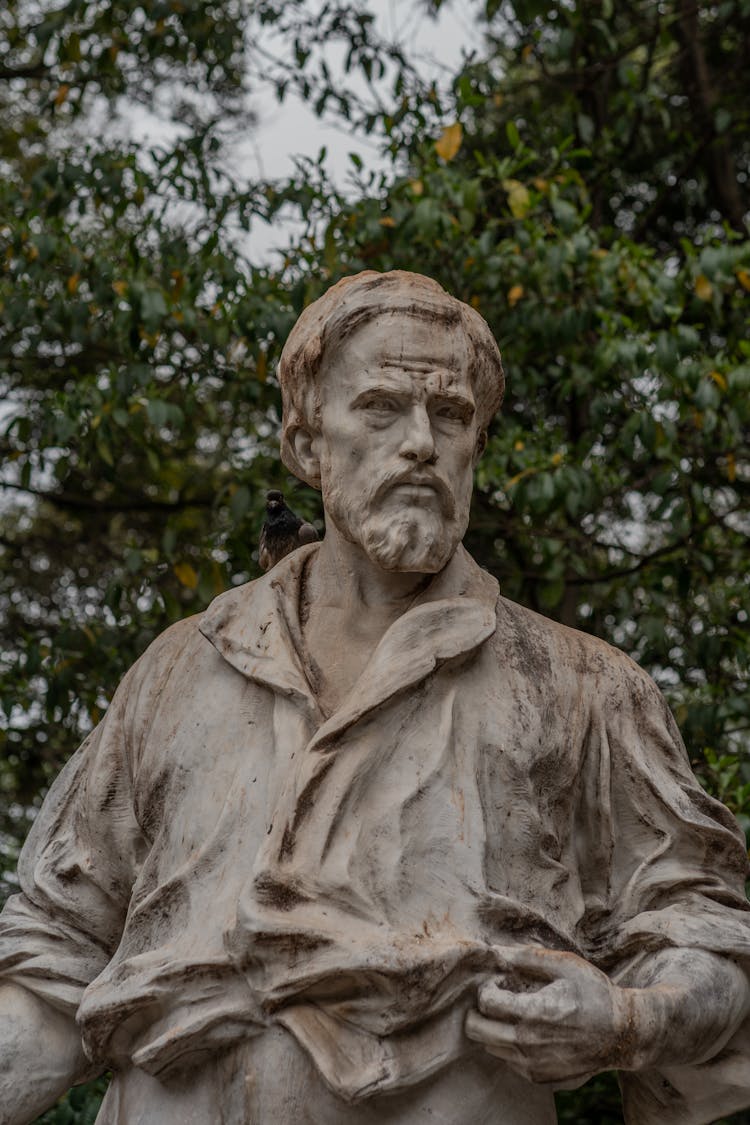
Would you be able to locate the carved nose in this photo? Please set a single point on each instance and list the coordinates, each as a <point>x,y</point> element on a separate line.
<point>419,444</point>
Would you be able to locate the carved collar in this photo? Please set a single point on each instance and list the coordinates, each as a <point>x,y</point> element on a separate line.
<point>256,629</point>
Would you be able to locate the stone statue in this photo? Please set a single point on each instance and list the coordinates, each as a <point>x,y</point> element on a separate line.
<point>366,842</point>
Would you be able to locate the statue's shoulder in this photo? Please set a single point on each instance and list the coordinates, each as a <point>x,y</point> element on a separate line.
<point>233,616</point>
<point>545,648</point>
<point>185,652</point>
<point>167,649</point>
<point>185,640</point>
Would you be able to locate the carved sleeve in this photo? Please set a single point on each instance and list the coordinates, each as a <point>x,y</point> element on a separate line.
<point>666,871</point>
<point>77,867</point>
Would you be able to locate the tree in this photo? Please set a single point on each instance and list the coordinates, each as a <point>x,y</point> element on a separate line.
<point>581,183</point>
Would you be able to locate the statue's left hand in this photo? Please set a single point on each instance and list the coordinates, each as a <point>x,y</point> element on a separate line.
<point>553,1017</point>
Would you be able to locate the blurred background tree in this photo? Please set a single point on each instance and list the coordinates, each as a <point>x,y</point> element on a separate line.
<point>582,180</point>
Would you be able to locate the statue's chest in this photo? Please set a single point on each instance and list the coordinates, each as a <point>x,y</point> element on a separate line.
<point>422,799</point>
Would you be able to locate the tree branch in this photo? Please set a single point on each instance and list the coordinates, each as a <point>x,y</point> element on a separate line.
<point>623,572</point>
<point>702,93</point>
<point>33,70</point>
<point>88,503</point>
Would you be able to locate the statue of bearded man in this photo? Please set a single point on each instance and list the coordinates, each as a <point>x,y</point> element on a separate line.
<point>366,842</point>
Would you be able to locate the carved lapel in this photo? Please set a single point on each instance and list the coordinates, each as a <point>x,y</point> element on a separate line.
<point>255,628</point>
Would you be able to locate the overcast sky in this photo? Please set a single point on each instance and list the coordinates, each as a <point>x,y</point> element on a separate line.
<point>292,129</point>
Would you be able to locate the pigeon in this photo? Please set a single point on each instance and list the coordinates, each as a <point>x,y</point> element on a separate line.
<point>282,531</point>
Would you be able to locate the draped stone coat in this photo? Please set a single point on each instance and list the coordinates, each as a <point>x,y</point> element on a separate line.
<point>222,864</point>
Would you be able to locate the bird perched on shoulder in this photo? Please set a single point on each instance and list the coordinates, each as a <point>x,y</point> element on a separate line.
<point>282,531</point>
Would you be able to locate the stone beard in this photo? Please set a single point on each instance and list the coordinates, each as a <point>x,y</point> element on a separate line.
<point>418,538</point>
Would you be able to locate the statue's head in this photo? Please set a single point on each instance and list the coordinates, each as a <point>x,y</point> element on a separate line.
<point>388,385</point>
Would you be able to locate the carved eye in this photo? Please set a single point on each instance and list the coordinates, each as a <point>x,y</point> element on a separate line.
<point>381,405</point>
<point>452,412</point>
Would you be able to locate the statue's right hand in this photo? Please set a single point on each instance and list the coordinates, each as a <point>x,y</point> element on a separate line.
<point>551,1016</point>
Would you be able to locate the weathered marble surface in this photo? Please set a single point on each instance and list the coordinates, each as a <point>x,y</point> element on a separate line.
<point>366,842</point>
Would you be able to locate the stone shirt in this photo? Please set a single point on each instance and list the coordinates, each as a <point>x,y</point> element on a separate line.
<point>221,859</point>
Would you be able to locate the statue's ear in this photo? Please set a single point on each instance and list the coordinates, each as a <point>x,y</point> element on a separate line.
<point>481,445</point>
<point>301,454</point>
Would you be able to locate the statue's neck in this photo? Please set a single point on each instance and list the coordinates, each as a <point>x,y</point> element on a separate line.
<point>348,603</point>
<point>343,576</point>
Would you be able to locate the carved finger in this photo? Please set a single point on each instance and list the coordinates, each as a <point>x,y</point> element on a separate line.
<point>500,1036</point>
<point>543,964</point>
<point>553,1003</point>
<point>529,1060</point>
<point>498,1039</point>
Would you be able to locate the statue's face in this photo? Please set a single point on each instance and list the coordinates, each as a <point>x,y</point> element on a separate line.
<point>398,441</point>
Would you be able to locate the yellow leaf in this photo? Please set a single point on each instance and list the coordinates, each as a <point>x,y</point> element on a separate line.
<point>61,94</point>
<point>519,445</point>
<point>731,467</point>
<point>498,100</point>
<point>388,221</point>
<point>186,575</point>
<point>518,477</point>
<point>515,293</point>
<point>744,279</point>
<point>719,379</point>
<point>261,366</point>
<point>557,458</point>
<point>417,187</point>
<point>450,141</point>
<point>526,52</point>
<point>217,578</point>
<point>120,288</point>
<point>72,283</point>
<point>475,302</point>
<point>541,184</point>
<point>519,200</point>
<point>704,290</point>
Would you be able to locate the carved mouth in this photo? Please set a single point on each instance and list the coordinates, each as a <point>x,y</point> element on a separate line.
<point>412,488</point>
<point>418,489</point>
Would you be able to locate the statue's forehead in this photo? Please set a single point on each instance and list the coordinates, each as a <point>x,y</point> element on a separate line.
<point>398,341</point>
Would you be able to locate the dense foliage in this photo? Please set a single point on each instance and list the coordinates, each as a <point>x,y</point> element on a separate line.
<point>583,182</point>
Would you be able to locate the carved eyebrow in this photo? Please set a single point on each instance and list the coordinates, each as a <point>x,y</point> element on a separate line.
<point>452,398</point>
<point>381,390</point>
<point>402,394</point>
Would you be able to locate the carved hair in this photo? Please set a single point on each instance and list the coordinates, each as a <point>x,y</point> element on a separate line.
<point>353,301</point>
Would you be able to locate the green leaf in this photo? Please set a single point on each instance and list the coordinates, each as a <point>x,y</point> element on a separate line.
<point>153,308</point>
<point>239,503</point>
<point>511,132</point>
